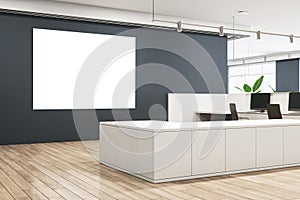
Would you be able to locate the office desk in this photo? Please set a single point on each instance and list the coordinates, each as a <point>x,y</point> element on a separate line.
<point>206,116</point>
<point>251,115</point>
<point>159,151</point>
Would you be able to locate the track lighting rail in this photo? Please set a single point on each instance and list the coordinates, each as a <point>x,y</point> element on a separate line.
<point>222,29</point>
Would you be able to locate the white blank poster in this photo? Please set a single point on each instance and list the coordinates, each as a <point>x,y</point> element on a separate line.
<point>59,57</point>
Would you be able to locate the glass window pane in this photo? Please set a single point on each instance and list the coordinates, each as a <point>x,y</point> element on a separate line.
<point>235,82</point>
<point>269,68</point>
<point>236,71</point>
<point>250,80</point>
<point>269,80</point>
<point>238,76</point>
<point>255,69</point>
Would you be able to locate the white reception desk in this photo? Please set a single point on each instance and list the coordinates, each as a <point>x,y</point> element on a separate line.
<point>160,151</point>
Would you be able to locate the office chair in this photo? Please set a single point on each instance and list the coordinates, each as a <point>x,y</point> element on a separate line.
<point>234,114</point>
<point>274,111</point>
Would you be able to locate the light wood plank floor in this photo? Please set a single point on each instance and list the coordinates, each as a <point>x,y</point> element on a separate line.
<point>68,171</point>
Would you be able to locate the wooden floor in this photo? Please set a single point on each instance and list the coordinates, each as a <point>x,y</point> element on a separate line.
<point>68,171</point>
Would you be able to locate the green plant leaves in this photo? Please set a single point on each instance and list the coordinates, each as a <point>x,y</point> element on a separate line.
<point>272,89</point>
<point>257,84</point>
<point>239,88</point>
<point>255,88</point>
<point>247,88</point>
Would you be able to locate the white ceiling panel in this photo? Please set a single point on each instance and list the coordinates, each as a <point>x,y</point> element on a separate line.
<point>268,15</point>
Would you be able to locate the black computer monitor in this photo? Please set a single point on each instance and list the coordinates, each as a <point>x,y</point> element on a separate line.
<point>294,101</point>
<point>259,101</point>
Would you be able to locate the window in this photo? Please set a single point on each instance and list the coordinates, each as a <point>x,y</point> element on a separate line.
<point>239,75</point>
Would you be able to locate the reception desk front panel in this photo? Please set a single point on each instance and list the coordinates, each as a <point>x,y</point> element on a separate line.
<point>160,151</point>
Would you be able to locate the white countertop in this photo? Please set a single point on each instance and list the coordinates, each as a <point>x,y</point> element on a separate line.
<point>160,126</point>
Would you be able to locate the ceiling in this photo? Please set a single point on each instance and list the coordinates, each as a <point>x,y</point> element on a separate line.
<point>267,15</point>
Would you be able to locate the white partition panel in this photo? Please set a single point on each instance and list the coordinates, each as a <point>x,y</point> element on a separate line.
<point>281,98</point>
<point>182,107</point>
<point>242,101</point>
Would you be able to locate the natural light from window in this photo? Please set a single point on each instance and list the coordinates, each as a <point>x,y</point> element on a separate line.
<point>239,75</point>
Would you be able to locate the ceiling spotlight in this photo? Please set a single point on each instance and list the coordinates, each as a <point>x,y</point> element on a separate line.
<point>258,35</point>
<point>292,38</point>
<point>221,31</point>
<point>179,27</point>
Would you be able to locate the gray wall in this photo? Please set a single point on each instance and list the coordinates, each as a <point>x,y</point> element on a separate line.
<point>20,124</point>
<point>287,75</point>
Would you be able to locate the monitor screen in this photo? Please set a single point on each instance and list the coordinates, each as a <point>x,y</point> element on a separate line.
<point>259,101</point>
<point>294,102</point>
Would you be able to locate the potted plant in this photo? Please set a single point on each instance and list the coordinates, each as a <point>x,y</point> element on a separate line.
<point>254,89</point>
